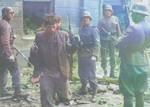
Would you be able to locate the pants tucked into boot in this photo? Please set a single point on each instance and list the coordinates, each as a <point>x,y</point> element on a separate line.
<point>86,71</point>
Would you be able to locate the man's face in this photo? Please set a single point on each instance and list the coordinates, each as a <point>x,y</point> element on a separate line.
<point>85,20</point>
<point>10,15</point>
<point>107,12</point>
<point>59,24</point>
<point>51,29</point>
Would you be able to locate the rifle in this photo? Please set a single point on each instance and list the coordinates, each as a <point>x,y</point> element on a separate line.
<point>71,55</point>
<point>18,52</point>
<point>105,33</point>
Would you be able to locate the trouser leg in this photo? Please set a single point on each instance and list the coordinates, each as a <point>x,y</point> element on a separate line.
<point>82,71</point>
<point>3,77</point>
<point>46,91</point>
<point>92,77</point>
<point>139,100</point>
<point>128,101</point>
<point>15,73</point>
<point>104,59</point>
<point>112,51</point>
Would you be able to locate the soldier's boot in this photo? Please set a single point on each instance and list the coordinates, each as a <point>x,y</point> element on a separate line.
<point>83,91</point>
<point>112,73</point>
<point>4,92</point>
<point>105,72</point>
<point>93,99</point>
<point>19,93</point>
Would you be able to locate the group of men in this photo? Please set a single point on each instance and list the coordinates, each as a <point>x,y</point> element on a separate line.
<point>52,48</point>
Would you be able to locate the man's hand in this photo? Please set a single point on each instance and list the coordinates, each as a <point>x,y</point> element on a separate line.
<point>34,48</point>
<point>75,40</point>
<point>11,58</point>
<point>34,80</point>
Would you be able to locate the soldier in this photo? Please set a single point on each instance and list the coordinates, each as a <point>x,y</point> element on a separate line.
<point>7,59</point>
<point>88,54</point>
<point>134,60</point>
<point>50,60</point>
<point>109,29</point>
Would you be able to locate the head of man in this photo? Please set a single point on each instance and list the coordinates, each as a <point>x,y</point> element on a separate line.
<point>108,10</point>
<point>86,18</point>
<point>59,21</point>
<point>50,23</point>
<point>7,13</point>
<point>139,11</point>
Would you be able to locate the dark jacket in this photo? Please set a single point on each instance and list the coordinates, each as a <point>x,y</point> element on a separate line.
<point>5,34</point>
<point>64,49</point>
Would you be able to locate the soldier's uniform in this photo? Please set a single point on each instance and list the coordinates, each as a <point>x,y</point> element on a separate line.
<point>134,62</point>
<point>109,30</point>
<point>88,48</point>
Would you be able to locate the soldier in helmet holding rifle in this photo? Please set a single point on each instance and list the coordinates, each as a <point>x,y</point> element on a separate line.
<point>88,53</point>
<point>134,60</point>
<point>109,29</point>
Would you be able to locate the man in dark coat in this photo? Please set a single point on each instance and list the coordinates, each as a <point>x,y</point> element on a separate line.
<point>49,55</point>
<point>7,59</point>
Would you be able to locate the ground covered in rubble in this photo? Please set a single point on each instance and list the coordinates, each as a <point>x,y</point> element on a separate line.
<point>108,92</point>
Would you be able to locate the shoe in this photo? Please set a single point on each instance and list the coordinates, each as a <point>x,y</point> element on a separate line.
<point>93,99</point>
<point>19,93</point>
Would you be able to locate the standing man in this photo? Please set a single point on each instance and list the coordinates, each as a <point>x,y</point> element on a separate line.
<point>7,59</point>
<point>88,53</point>
<point>109,29</point>
<point>134,60</point>
<point>50,58</point>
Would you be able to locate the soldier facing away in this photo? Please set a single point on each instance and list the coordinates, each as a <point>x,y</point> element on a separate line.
<point>134,60</point>
<point>109,29</point>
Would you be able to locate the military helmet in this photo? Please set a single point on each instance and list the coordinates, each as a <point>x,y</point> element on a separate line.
<point>6,11</point>
<point>108,7</point>
<point>86,13</point>
<point>140,8</point>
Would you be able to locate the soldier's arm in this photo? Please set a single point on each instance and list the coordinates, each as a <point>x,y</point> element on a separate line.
<point>69,46</point>
<point>124,41</point>
<point>96,43</point>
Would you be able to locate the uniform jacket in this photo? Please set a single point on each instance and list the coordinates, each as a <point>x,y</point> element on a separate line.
<point>90,41</point>
<point>110,25</point>
<point>64,49</point>
<point>133,42</point>
<point>5,34</point>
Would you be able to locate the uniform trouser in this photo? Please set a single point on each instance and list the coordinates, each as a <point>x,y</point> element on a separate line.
<point>108,47</point>
<point>133,83</point>
<point>49,85</point>
<point>14,70</point>
<point>86,71</point>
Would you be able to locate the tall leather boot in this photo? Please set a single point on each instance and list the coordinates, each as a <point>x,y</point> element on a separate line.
<point>18,92</point>
<point>105,72</point>
<point>93,99</point>
<point>112,73</point>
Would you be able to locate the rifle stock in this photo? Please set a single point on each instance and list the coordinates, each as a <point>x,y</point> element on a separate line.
<point>22,55</point>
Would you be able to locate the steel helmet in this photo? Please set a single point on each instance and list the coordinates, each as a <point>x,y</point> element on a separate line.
<point>140,8</point>
<point>108,7</point>
<point>86,13</point>
<point>6,10</point>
